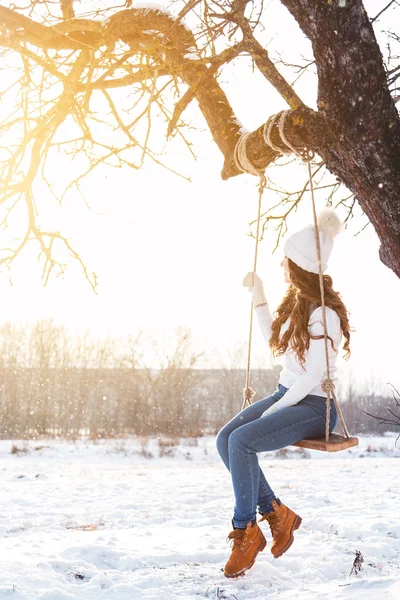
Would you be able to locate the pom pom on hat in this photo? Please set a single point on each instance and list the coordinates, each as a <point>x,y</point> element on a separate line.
<point>301,246</point>
<point>329,223</point>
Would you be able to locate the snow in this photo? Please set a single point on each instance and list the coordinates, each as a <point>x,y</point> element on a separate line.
<point>154,6</point>
<point>163,9</point>
<point>191,56</point>
<point>100,521</point>
<point>242,128</point>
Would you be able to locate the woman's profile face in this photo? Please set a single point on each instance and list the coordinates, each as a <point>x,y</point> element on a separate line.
<point>285,265</point>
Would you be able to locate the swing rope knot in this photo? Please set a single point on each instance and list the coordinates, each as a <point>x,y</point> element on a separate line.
<point>248,395</point>
<point>328,386</point>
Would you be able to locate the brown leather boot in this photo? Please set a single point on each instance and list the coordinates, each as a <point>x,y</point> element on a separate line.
<point>247,543</point>
<point>283,522</point>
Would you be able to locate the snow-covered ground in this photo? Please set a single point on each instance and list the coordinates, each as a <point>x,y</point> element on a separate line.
<point>103,521</point>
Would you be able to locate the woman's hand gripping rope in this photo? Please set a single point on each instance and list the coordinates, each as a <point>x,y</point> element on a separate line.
<point>255,285</point>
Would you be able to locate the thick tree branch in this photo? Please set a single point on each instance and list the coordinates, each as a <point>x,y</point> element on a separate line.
<point>304,128</point>
<point>67,9</point>
<point>212,100</point>
<point>225,57</point>
<point>67,35</point>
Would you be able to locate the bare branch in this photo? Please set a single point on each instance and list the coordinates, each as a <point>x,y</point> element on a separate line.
<point>225,57</point>
<point>384,10</point>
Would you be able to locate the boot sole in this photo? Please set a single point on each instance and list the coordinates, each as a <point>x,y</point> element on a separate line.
<point>245,569</point>
<point>296,525</point>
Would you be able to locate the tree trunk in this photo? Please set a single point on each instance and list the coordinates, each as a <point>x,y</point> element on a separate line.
<point>356,106</point>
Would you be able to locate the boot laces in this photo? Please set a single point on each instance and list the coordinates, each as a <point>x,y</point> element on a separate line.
<point>274,522</point>
<point>238,537</point>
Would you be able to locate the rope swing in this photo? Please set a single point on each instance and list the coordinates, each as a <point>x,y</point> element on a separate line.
<point>246,166</point>
<point>333,442</point>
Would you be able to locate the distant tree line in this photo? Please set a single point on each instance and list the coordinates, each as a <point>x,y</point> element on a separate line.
<point>54,384</point>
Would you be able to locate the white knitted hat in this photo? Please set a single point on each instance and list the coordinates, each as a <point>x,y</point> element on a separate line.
<point>301,246</point>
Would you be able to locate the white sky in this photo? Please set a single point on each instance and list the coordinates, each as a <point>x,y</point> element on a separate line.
<point>170,253</point>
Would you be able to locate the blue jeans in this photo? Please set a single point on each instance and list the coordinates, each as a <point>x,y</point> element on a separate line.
<point>246,434</point>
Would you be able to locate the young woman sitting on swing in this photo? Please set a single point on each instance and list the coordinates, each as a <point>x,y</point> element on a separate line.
<point>297,409</point>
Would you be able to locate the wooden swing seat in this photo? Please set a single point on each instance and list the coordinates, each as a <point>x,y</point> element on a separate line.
<point>336,442</point>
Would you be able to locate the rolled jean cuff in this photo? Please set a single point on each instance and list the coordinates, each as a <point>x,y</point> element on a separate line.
<point>241,524</point>
<point>266,507</point>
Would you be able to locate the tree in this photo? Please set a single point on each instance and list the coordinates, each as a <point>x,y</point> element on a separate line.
<point>88,83</point>
<point>394,418</point>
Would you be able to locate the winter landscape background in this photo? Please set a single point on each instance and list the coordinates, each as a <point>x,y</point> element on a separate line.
<point>110,483</point>
<point>147,519</point>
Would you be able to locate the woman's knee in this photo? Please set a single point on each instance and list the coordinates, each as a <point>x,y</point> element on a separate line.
<point>237,438</point>
<point>221,440</point>
<point>334,419</point>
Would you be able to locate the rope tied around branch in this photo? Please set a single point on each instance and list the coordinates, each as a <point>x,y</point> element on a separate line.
<point>286,147</point>
<point>243,162</point>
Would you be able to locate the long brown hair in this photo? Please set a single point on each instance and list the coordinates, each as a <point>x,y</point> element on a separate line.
<point>303,291</point>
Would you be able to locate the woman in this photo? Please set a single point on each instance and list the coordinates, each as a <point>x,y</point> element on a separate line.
<point>297,409</point>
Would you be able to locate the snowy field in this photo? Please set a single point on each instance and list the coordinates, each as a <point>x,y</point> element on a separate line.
<point>107,521</point>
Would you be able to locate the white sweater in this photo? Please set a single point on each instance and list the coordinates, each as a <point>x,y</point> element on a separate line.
<point>303,380</point>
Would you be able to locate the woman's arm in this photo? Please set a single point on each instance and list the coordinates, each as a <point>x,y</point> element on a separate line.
<point>315,363</point>
<point>264,320</point>
<point>255,285</point>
